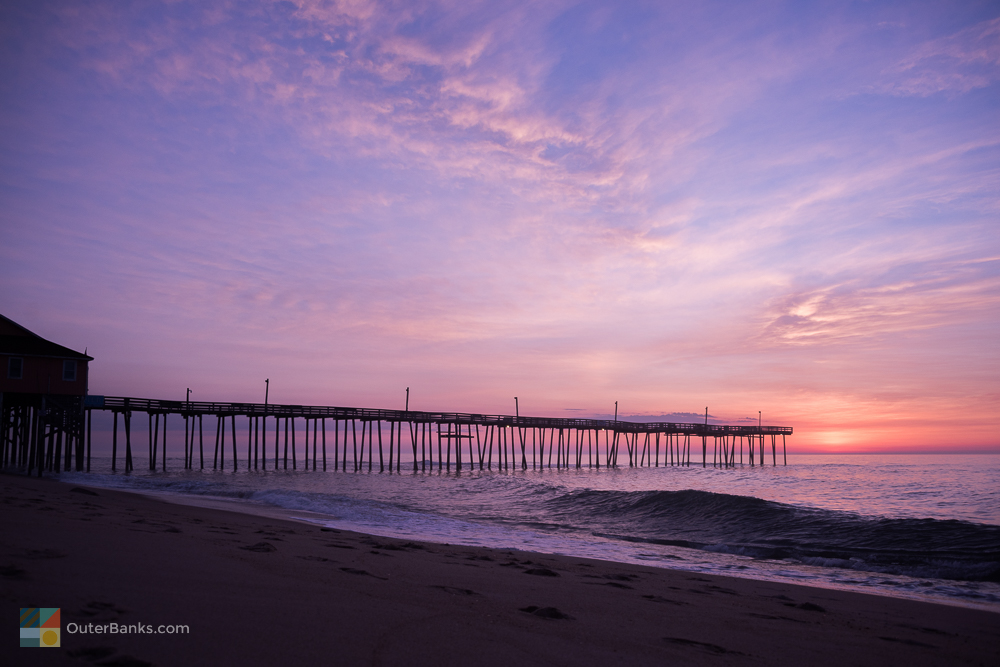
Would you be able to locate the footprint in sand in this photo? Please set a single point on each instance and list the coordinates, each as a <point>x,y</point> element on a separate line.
<point>454,591</point>
<point>711,648</point>
<point>541,572</point>
<point>354,570</point>
<point>547,612</point>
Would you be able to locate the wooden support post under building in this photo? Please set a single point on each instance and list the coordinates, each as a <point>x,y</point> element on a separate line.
<point>50,439</point>
<point>44,444</point>
<point>57,449</point>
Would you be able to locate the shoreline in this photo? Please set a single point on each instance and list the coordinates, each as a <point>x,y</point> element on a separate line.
<point>261,589</point>
<point>434,518</point>
<point>315,519</point>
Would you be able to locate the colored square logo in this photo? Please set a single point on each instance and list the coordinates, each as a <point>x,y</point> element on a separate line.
<point>40,627</point>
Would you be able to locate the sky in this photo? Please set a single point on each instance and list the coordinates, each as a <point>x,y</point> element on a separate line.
<point>784,207</point>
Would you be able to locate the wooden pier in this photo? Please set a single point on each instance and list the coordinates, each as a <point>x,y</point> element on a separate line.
<point>267,437</point>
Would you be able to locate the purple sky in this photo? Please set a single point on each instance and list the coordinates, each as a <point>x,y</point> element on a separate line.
<point>786,207</point>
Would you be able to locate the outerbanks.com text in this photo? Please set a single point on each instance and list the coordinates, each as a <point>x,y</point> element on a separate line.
<point>123,629</point>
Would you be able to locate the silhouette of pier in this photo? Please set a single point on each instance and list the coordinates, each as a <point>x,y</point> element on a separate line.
<point>266,438</point>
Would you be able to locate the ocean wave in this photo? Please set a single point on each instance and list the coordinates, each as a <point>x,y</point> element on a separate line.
<point>746,526</point>
<point>705,521</point>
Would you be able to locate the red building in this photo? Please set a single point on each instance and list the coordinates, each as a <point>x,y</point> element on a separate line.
<point>43,386</point>
<point>29,364</point>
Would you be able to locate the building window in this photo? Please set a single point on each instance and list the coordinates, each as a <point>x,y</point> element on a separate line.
<point>15,368</point>
<point>69,371</point>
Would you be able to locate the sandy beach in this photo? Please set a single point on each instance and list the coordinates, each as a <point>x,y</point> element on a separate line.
<point>258,590</point>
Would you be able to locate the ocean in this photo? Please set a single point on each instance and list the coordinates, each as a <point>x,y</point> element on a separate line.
<point>925,527</point>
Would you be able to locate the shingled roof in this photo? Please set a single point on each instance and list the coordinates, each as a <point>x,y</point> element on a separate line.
<point>18,341</point>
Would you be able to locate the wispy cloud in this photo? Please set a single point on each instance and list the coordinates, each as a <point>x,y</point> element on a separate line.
<point>963,61</point>
<point>908,298</point>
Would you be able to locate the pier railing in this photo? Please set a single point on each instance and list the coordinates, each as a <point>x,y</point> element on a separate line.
<point>191,408</point>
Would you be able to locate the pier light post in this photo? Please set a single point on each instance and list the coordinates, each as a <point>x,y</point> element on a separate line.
<point>267,389</point>
<point>517,412</point>
<point>407,399</point>
<point>188,399</point>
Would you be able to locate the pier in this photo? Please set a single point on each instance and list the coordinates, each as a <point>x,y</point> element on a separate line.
<point>56,435</point>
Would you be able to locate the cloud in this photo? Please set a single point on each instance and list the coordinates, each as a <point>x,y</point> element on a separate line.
<point>961,62</point>
<point>465,98</point>
<point>905,299</point>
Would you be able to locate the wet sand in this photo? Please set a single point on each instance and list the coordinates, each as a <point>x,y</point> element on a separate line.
<point>258,590</point>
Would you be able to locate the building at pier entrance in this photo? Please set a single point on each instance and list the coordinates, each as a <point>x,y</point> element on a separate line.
<point>30,364</point>
<point>43,389</point>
